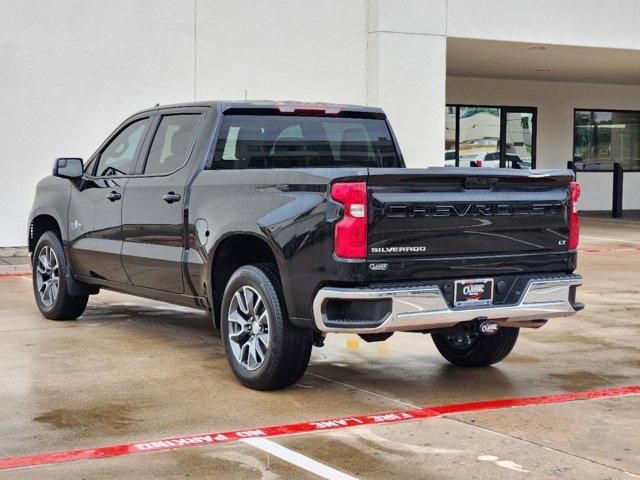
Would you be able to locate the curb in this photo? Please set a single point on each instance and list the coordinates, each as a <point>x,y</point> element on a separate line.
<point>11,270</point>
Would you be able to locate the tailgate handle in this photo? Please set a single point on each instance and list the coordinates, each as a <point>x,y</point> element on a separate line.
<point>480,182</point>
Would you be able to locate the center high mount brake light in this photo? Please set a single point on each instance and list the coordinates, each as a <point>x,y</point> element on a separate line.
<point>301,109</point>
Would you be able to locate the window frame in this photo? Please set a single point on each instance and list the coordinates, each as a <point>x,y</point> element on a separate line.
<point>573,138</point>
<point>95,158</point>
<point>144,155</point>
<point>504,109</point>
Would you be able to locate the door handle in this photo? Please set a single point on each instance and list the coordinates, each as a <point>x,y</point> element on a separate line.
<point>113,196</point>
<point>171,197</point>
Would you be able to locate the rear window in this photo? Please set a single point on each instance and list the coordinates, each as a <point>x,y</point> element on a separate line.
<point>171,143</point>
<point>282,141</point>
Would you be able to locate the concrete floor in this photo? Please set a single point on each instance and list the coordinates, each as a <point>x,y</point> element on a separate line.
<point>132,370</point>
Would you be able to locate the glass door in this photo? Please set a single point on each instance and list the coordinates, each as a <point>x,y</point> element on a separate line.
<point>490,136</point>
<point>518,139</point>
<point>478,136</point>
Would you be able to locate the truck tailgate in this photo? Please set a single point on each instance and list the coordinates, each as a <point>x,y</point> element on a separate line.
<point>423,213</point>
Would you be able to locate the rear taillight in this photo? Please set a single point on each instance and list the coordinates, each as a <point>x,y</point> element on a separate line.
<point>479,163</point>
<point>350,235</point>
<point>574,220</point>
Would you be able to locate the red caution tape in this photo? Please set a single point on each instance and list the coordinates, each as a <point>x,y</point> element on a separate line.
<point>608,250</point>
<point>172,443</point>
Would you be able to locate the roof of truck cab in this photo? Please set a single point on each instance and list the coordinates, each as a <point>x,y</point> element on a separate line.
<point>224,105</point>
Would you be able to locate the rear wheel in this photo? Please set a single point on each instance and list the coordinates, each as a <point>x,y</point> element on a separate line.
<point>263,349</point>
<point>49,281</point>
<point>466,347</point>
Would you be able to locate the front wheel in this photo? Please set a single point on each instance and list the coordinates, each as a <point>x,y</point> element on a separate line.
<point>469,348</point>
<point>264,350</point>
<point>49,281</point>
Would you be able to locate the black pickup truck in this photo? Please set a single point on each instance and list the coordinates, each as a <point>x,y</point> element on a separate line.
<point>289,221</point>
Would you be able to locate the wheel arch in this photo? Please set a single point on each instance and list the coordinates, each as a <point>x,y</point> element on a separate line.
<point>232,251</point>
<point>40,224</point>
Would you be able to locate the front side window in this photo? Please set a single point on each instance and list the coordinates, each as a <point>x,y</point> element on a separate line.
<point>171,144</point>
<point>287,141</point>
<point>118,158</point>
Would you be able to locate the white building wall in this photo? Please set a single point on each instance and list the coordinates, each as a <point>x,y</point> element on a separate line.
<point>72,70</point>
<point>596,191</point>
<point>588,23</point>
<point>631,191</point>
<point>407,73</point>
<point>282,49</point>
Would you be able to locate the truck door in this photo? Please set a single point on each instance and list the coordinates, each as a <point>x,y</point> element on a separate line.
<point>153,208</point>
<point>95,210</point>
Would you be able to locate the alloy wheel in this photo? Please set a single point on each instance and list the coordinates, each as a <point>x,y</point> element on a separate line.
<point>47,276</point>
<point>248,333</point>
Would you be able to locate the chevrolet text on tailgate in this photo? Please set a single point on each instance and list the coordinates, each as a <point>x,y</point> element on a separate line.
<point>289,221</point>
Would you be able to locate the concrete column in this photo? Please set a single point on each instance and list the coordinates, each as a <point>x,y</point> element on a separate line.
<point>406,73</point>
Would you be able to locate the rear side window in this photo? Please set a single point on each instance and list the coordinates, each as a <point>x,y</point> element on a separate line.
<point>172,143</point>
<point>118,158</point>
<point>286,141</point>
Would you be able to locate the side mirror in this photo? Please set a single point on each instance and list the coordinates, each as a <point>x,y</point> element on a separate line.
<point>68,168</point>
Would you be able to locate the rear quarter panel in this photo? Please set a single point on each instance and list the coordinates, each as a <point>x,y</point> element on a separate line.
<point>287,208</point>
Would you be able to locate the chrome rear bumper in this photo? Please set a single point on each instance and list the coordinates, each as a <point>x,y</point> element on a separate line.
<point>425,308</point>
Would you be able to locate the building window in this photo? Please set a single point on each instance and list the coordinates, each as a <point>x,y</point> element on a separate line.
<point>604,137</point>
<point>490,136</point>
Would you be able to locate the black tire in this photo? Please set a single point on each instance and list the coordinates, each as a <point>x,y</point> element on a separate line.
<point>289,348</point>
<point>481,351</point>
<point>62,305</point>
